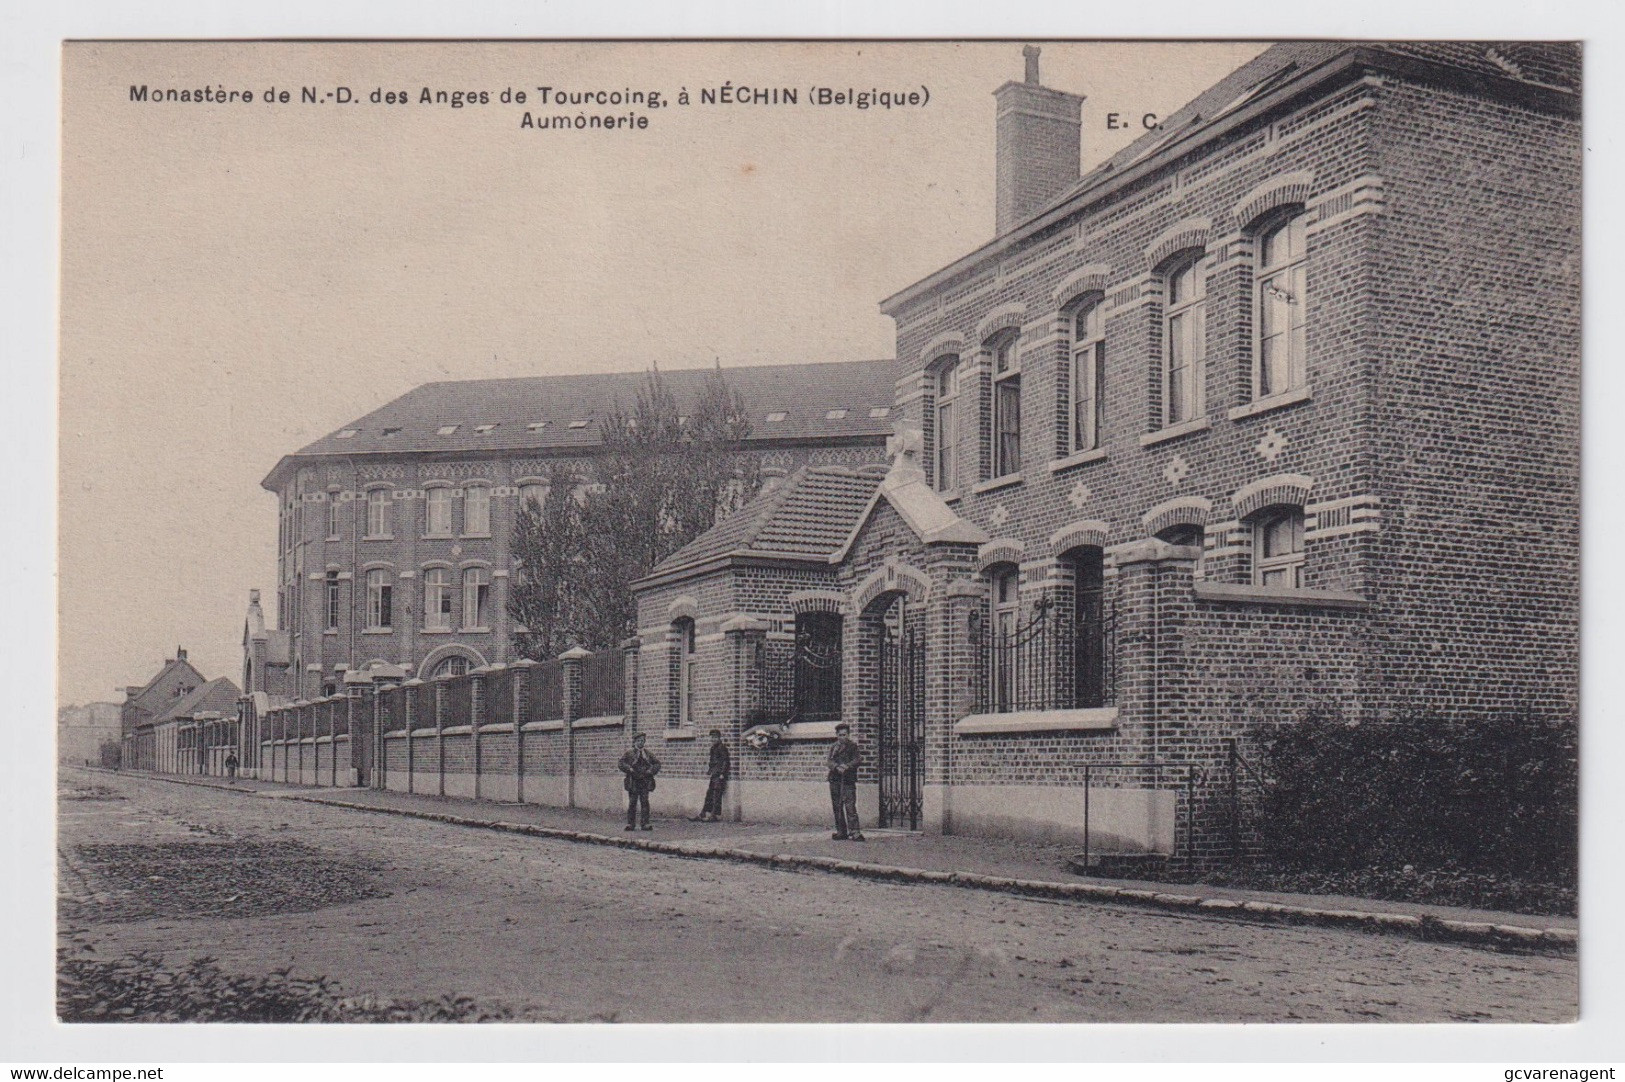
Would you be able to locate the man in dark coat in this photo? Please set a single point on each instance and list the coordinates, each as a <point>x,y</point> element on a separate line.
<point>640,768</point>
<point>718,766</point>
<point>843,760</point>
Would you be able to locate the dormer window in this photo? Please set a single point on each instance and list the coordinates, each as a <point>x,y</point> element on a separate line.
<point>776,416</point>
<point>879,412</point>
<point>393,430</point>
<point>447,430</point>
<point>835,415</point>
<point>483,429</point>
<point>347,434</point>
<point>536,426</point>
<point>578,424</point>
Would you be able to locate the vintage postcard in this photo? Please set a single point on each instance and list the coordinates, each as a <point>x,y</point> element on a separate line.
<point>819,532</point>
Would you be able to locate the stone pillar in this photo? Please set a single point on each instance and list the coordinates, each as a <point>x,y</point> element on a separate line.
<point>476,716</point>
<point>746,637</point>
<point>409,709</point>
<point>359,694</point>
<point>629,704</point>
<point>571,681</point>
<point>439,693</point>
<point>954,660</point>
<point>1153,604</point>
<point>521,714</point>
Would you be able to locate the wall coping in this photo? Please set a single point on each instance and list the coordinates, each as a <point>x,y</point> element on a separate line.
<point>1279,595</point>
<point>600,721</point>
<point>1037,721</point>
<point>554,726</point>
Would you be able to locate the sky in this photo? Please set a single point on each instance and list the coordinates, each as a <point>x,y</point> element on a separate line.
<point>241,279</point>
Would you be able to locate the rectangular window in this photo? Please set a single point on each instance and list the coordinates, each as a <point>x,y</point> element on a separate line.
<point>477,510</point>
<point>380,607</point>
<point>476,598</point>
<point>437,521</point>
<point>1278,550</point>
<point>437,599</point>
<point>1185,344</point>
<point>335,522</point>
<point>1088,379</point>
<point>1279,306</point>
<point>946,428</point>
<point>333,606</point>
<point>378,512</point>
<point>1007,426</point>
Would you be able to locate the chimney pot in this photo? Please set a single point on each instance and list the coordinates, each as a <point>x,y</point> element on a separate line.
<point>1030,54</point>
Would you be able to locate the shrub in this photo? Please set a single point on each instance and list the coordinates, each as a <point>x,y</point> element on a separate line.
<point>1497,796</point>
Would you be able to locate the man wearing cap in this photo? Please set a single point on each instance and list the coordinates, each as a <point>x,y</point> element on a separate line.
<point>843,760</point>
<point>640,769</point>
<point>719,765</point>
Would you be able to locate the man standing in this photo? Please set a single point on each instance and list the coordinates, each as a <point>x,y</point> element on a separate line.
<point>843,760</point>
<point>231,765</point>
<point>719,766</point>
<point>640,769</point>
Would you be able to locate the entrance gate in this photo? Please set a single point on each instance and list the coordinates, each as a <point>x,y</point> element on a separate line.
<point>902,720</point>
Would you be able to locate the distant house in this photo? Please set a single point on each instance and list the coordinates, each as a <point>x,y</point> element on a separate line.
<point>194,735</point>
<point>172,682</point>
<point>81,731</point>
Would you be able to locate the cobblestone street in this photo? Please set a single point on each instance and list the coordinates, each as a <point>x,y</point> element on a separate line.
<point>401,907</point>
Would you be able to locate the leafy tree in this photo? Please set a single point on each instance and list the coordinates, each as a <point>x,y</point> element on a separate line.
<point>665,477</point>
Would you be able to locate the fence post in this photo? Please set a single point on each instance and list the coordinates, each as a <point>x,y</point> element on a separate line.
<point>476,714</point>
<point>1235,807</point>
<point>570,662</point>
<point>629,682</point>
<point>438,684</point>
<point>521,707</point>
<point>409,699</point>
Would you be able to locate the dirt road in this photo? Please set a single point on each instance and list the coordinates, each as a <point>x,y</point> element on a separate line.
<point>560,931</point>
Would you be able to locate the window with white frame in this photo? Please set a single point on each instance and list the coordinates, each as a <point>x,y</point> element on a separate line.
<point>683,633</point>
<point>437,515</point>
<point>1278,300</point>
<point>1087,377</point>
<point>1184,341</point>
<point>1006,405</point>
<point>945,422</point>
<point>476,598</point>
<point>437,599</point>
<point>533,496</point>
<point>477,510</point>
<point>335,522</point>
<point>380,600</point>
<point>1006,594</point>
<point>333,606</point>
<point>1278,547</point>
<point>378,512</point>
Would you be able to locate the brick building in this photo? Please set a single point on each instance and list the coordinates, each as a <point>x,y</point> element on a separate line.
<point>1276,410</point>
<point>395,531</point>
<point>143,704</point>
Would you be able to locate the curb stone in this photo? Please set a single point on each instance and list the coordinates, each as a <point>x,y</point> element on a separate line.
<point>1423,926</point>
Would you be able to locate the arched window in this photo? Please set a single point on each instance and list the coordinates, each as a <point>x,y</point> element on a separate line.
<point>533,496</point>
<point>378,524</point>
<point>1088,377</point>
<point>683,637</point>
<point>1006,405</point>
<point>380,600</point>
<point>456,665</point>
<point>437,599</point>
<point>1279,307</point>
<point>476,599</point>
<point>1184,340</point>
<point>1188,534</point>
<point>1278,547</point>
<point>817,677</point>
<point>945,422</point>
<point>437,512</point>
<point>477,510</point>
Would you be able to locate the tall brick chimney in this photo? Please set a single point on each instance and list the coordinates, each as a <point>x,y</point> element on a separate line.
<point>1039,144</point>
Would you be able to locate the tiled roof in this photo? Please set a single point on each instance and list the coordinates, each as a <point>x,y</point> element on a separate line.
<point>1539,63</point>
<point>810,515</point>
<point>817,401</point>
<point>149,689</point>
<point>218,696</point>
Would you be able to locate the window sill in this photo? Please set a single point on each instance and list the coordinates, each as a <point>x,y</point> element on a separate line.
<point>437,631</point>
<point>378,631</point>
<point>809,730</point>
<point>477,536</point>
<point>1278,595</point>
<point>1094,454</point>
<point>1037,721</point>
<point>1173,432</point>
<point>1273,402</point>
<point>438,537</point>
<point>330,631</point>
<point>602,721</point>
<point>677,734</point>
<point>334,537</point>
<point>995,483</point>
<point>378,537</point>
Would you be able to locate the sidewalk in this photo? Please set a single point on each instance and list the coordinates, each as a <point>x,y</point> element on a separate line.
<point>1029,869</point>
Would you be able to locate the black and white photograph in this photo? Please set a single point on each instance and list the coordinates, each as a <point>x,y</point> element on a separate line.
<point>1017,530</point>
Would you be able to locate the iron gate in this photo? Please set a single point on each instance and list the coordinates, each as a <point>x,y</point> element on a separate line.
<point>902,721</point>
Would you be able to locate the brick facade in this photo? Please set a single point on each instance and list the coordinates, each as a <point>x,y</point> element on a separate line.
<point>1374,515</point>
